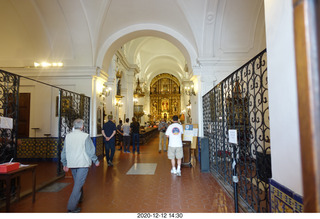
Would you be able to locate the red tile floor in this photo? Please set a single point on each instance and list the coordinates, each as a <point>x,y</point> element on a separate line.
<point>111,190</point>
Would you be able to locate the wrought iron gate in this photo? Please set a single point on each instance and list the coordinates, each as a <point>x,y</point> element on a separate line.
<point>9,97</point>
<point>241,102</point>
<point>71,106</point>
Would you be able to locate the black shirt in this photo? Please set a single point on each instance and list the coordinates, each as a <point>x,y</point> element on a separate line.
<point>135,127</point>
<point>108,129</point>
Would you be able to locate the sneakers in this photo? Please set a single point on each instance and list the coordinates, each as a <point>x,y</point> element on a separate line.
<point>77,210</point>
<point>110,163</point>
<point>174,171</point>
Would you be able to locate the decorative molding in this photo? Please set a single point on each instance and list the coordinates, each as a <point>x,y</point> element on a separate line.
<point>64,72</point>
<point>125,63</point>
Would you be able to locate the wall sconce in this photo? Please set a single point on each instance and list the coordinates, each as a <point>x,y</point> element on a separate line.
<point>189,91</point>
<point>119,103</point>
<point>106,91</point>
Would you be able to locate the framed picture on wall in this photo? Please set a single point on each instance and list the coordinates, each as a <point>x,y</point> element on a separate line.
<point>66,105</point>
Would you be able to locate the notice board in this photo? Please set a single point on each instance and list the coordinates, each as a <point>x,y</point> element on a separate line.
<point>190,133</point>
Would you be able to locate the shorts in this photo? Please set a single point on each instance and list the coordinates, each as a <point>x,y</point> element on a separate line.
<point>175,152</point>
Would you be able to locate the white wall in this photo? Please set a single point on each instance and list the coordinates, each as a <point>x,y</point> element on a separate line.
<point>42,107</point>
<point>43,97</point>
<point>284,123</point>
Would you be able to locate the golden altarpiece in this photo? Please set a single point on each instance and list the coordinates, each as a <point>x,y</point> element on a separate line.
<point>165,97</point>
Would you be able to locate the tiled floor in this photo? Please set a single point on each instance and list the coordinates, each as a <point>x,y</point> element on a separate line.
<point>138,183</point>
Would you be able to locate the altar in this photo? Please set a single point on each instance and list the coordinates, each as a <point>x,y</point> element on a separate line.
<point>165,97</point>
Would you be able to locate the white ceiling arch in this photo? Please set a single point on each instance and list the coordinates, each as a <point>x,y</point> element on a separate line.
<point>161,64</point>
<point>118,39</point>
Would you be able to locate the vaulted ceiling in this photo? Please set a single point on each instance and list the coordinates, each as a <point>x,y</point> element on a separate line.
<point>159,36</point>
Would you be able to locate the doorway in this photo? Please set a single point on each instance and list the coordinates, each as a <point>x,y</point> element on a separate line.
<point>24,115</point>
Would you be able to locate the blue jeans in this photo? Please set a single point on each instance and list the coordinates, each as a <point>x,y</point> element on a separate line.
<point>110,146</point>
<point>79,178</point>
<point>135,137</point>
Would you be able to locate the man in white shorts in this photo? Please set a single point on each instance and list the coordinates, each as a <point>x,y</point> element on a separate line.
<point>175,150</point>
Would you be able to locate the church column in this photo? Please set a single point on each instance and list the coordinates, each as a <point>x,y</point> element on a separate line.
<point>203,83</point>
<point>129,95</point>
<point>110,100</point>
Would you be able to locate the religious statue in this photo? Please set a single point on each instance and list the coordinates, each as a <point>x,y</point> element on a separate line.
<point>165,105</point>
<point>175,106</point>
<point>119,87</point>
<point>154,108</point>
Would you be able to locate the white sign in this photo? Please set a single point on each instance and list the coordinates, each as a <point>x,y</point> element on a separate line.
<point>188,133</point>
<point>233,136</point>
<point>6,123</point>
<point>195,132</point>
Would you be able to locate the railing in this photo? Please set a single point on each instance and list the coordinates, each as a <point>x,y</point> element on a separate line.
<point>240,102</point>
<point>9,98</point>
<point>71,106</point>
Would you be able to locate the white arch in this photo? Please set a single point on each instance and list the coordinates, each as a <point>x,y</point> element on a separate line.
<point>138,30</point>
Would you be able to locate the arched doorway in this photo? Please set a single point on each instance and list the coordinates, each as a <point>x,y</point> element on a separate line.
<point>165,97</point>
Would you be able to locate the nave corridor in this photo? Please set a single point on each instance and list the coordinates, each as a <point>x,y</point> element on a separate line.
<point>118,190</point>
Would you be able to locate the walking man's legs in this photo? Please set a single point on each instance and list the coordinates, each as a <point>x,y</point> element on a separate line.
<point>112,148</point>
<point>133,143</point>
<point>160,140</point>
<point>107,146</point>
<point>138,141</point>
<point>126,143</point>
<point>79,177</point>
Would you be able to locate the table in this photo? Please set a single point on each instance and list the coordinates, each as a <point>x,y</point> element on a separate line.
<point>16,174</point>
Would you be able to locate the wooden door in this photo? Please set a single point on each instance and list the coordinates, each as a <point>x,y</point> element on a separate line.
<point>24,115</point>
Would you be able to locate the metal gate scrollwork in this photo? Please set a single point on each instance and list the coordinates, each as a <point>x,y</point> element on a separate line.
<point>71,106</point>
<point>9,97</point>
<point>240,102</point>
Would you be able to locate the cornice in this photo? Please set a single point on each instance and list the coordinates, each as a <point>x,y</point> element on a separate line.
<point>125,63</point>
<point>65,72</point>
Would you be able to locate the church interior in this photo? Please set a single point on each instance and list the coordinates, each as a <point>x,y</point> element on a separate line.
<point>230,70</point>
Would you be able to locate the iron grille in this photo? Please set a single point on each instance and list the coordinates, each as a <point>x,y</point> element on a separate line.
<point>9,97</point>
<point>71,106</point>
<point>240,102</point>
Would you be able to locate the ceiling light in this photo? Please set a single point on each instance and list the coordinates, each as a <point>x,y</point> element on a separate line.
<point>48,64</point>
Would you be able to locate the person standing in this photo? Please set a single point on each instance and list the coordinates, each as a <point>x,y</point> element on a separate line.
<point>175,150</point>
<point>163,125</point>
<point>135,129</point>
<point>77,155</point>
<point>120,134</point>
<point>126,136</point>
<point>108,132</point>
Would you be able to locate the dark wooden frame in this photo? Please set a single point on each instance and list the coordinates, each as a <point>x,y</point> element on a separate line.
<point>307,37</point>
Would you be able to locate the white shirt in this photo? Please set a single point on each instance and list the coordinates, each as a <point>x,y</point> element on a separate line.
<point>174,132</point>
<point>126,129</point>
